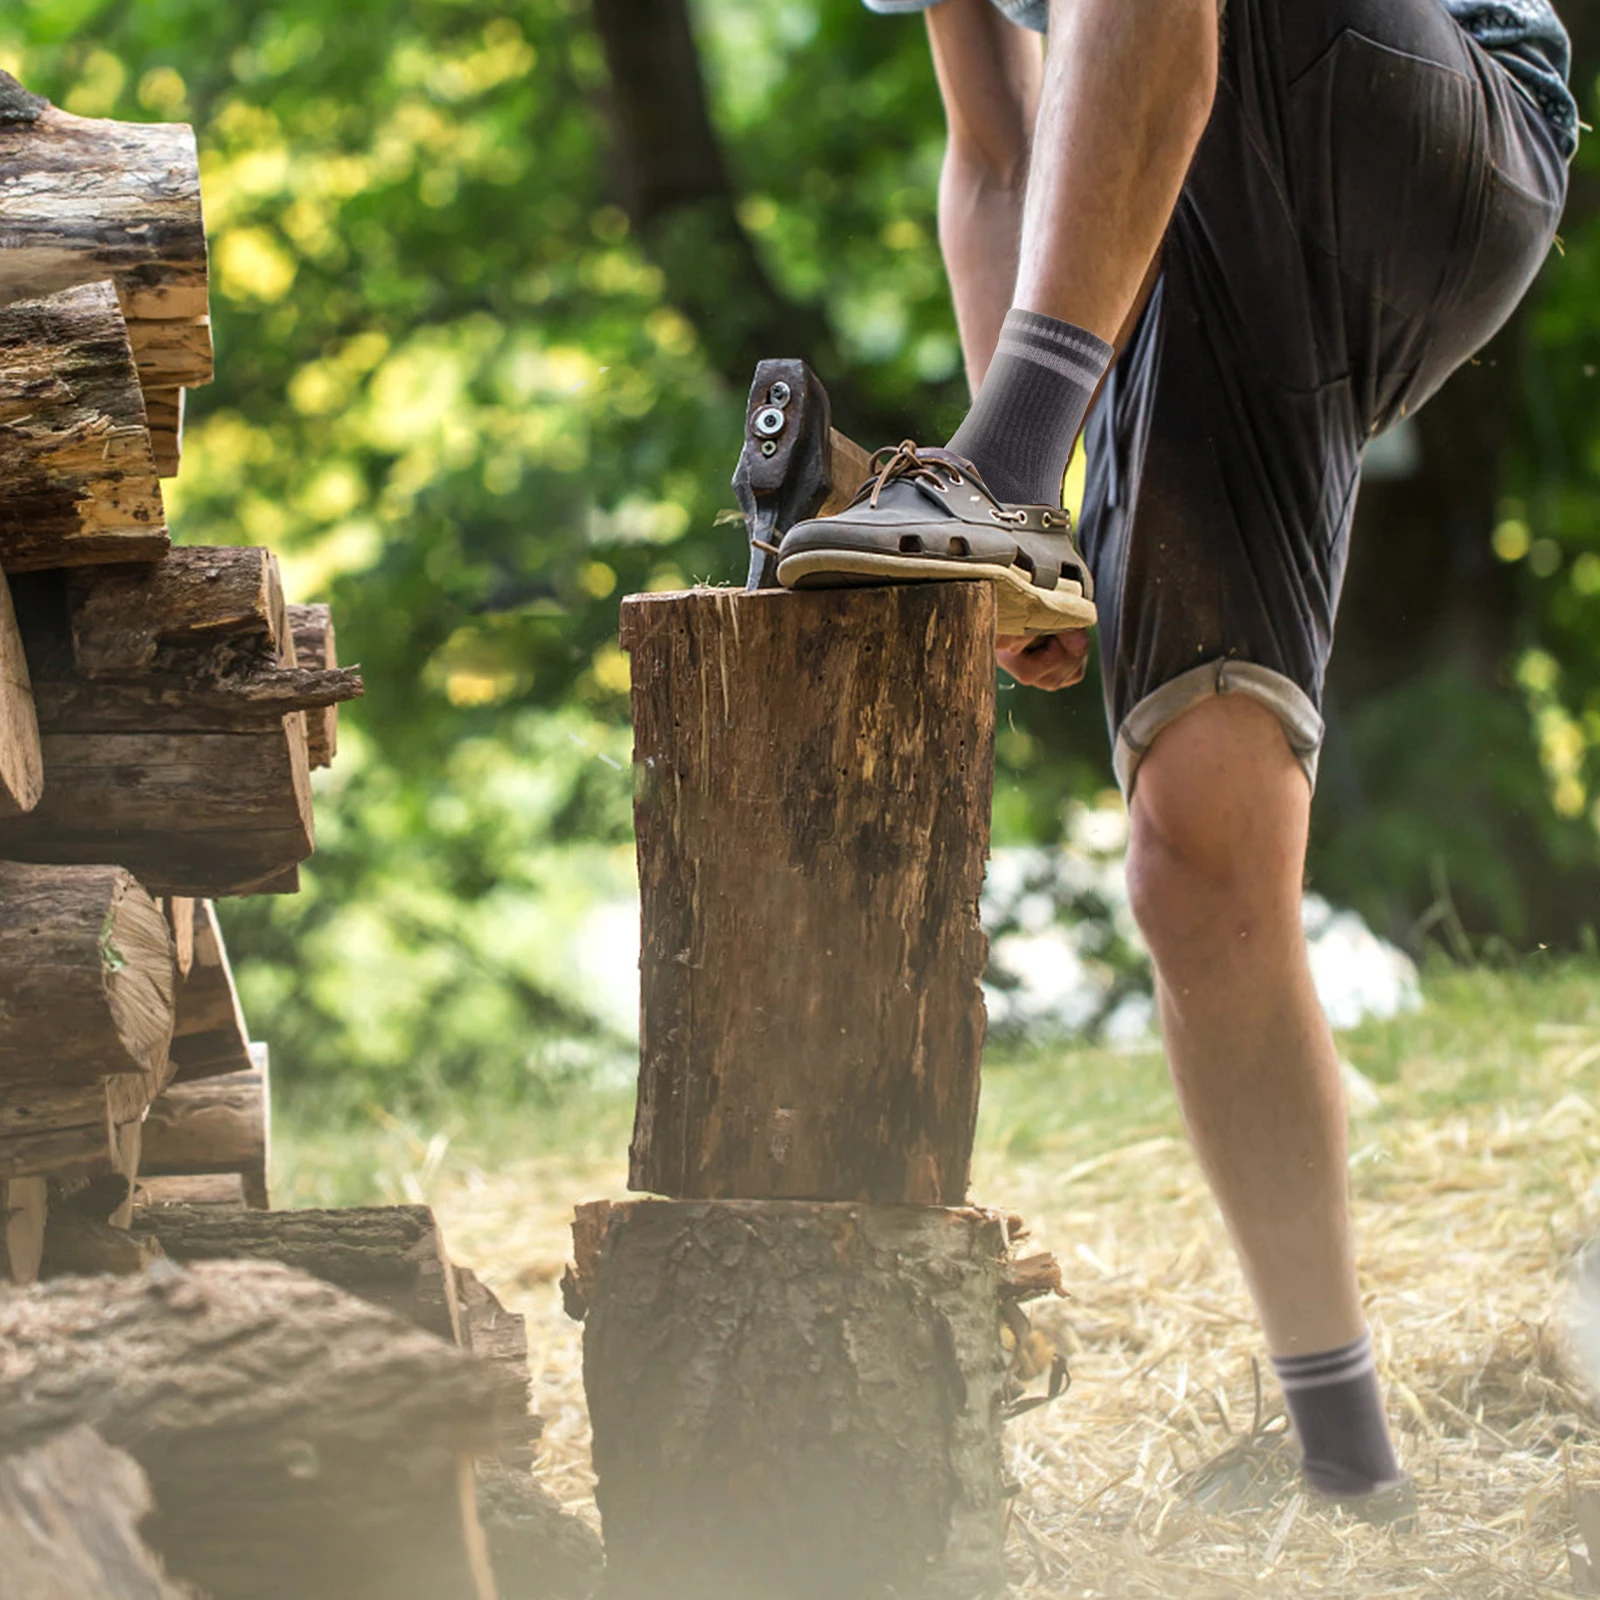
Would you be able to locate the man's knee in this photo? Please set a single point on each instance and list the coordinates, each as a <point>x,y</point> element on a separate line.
<point>1218,839</point>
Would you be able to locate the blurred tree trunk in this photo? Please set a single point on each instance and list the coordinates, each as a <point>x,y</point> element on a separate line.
<point>680,198</point>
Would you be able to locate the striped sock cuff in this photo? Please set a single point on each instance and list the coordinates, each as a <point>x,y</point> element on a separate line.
<point>1326,1367</point>
<point>1073,352</point>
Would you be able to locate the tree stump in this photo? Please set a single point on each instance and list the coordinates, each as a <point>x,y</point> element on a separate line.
<point>794,1399</point>
<point>814,776</point>
<point>298,1441</point>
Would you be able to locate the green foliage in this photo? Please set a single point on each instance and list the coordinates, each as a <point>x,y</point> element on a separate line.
<point>453,395</point>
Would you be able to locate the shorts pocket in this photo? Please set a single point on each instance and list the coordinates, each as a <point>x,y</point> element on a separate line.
<point>1387,148</point>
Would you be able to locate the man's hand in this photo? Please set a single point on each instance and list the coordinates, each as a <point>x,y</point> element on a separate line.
<point>1055,661</point>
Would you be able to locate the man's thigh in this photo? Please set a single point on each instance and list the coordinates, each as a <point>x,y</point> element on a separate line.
<point>1294,316</point>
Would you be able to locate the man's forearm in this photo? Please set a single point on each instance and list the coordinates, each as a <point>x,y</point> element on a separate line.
<point>980,229</point>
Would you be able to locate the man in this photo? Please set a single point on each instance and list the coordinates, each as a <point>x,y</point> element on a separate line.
<point>1287,226</point>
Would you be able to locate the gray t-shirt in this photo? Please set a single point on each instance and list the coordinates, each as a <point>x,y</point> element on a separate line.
<point>1526,37</point>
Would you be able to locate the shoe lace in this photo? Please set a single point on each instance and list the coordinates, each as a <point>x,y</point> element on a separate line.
<point>934,468</point>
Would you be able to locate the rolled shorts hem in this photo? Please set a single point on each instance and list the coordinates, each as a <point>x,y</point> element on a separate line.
<point>1300,720</point>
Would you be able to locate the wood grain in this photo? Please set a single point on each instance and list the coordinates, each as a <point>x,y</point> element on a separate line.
<point>77,477</point>
<point>813,781</point>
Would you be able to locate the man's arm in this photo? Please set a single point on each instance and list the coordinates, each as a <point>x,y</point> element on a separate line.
<point>990,75</point>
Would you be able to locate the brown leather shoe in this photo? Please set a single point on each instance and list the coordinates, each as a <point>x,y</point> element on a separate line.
<point>927,515</point>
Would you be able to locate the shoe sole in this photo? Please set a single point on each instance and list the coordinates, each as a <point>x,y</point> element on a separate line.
<point>1022,607</point>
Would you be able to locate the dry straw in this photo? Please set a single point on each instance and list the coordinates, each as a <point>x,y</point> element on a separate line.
<point>1469,1221</point>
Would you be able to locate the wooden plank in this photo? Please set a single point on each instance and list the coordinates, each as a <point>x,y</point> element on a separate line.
<point>21,759</point>
<point>812,818</point>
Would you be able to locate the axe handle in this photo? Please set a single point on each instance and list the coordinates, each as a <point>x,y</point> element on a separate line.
<point>849,467</point>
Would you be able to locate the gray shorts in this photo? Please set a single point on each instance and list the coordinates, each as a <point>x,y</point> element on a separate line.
<point>1370,200</point>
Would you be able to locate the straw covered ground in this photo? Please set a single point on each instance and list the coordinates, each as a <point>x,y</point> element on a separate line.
<point>1475,1131</point>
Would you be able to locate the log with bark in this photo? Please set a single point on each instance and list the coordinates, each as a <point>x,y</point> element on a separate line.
<point>539,1551</point>
<point>213,1125</point>
<point>77,476</point>
<point>209,1035</point>
<point>814,773</point>
<point>21,758</point>
<point>298,1440</point>
<point>172,720</point>
<point>86,199</point>
<point>70,1510</point>
<point>391,1256</point>
<point>793,1399</point>
<point>86,976</point>
<point>500,1338</point>
<point>218,1192</point>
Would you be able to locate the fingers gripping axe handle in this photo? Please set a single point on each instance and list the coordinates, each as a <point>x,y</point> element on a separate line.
<point>784,473</point>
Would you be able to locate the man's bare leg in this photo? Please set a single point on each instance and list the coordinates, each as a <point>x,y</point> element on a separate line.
<point>1215,863</point>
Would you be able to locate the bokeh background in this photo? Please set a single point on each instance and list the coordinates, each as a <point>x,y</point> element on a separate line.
<point>488,281</point>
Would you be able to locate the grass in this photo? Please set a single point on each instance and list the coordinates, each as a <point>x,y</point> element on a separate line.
<point>1475,1133</point>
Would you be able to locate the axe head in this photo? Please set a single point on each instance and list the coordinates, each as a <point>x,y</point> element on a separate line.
<point>783,475</point>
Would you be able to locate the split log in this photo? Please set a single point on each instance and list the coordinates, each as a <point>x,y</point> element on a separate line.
<point>23,1211</point>
<point>21,760</point>
<point>814,774</point>
<point>209,1037</point>
<point>298,1441</point>
<point>219,1191</point>
<point>164,411</point>
<point>46,1107</point>
<point>198,595</point>
<point>390,1256</point>
<point>70,1510</point>
<point>77,477</point>
<point>76,1245</point>
<point>793,1399</point>
<point>500,1338</point>
<point>199,814</point>
<point>171,353</point>
<point>171,722</point>
<point>538,1551</point>
<point>215,1125</point>
<point>82,199</point>
<point>314,646</point>
<point>179,910</point>
<point>86,976</point>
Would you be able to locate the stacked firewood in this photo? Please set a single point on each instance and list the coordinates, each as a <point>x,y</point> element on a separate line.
<point>259,1402</point>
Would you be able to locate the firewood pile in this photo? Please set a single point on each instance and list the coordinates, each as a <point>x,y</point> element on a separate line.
<point>198,1394</point>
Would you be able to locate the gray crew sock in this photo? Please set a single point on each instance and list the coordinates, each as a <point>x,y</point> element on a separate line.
<point>1338,1416</point>
<point>1020,430</point>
